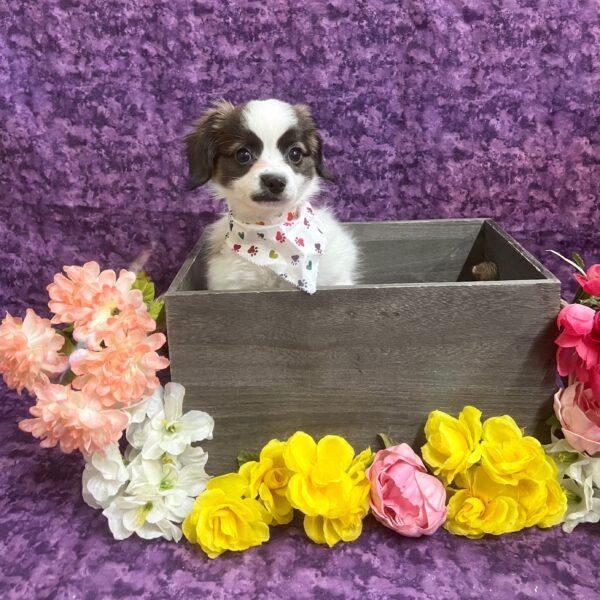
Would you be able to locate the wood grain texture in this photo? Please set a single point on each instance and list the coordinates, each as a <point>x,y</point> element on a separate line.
<point>358,361</point>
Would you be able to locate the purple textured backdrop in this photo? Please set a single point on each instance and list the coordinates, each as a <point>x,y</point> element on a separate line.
<point>429,109</point>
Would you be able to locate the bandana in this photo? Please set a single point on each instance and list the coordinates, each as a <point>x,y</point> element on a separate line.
<point>291,247</point>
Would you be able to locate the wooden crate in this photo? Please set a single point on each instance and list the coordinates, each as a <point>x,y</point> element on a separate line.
<point>417,334</point>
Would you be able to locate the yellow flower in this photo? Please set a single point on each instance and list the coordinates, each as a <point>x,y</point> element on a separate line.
<point>359,465</point>
<point>556,505</point>
<point>267,479</point>
<point>320,484</point>
<point>348,526</point>
<point>485,506</point>
<point>508,456</point>
<point>544,502</point>
<point>329,486</point>
<point>223,519</point>
<point>452,444</point>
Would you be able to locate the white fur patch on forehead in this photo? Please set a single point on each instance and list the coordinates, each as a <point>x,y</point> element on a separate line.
<point>269,119</point>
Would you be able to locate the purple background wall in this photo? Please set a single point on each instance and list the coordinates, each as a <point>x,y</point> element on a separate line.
<point>429,109</point>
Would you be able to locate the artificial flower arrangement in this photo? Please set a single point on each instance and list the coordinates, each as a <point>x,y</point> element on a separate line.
<point>95,379</point>
<point>577,405</point>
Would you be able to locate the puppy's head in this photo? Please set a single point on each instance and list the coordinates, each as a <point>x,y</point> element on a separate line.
<point>265,155</point>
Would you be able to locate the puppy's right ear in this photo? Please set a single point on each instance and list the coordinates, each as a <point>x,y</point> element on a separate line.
<point>201,144</point>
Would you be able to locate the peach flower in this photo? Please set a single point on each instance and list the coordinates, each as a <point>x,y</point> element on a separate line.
<point>69,418</point>
<point>29,351</point>
<point>123,371</point>
<point>98,303</point>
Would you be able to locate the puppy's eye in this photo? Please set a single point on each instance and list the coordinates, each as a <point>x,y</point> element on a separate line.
<point>295,155</point>
<point>243,156</point>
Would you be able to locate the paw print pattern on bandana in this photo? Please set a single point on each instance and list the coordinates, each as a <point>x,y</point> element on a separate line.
<point>290,245</point>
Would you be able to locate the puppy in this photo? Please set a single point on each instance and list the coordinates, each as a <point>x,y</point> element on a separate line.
<point>265,160</point>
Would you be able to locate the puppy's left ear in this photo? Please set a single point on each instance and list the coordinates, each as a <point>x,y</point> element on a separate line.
<point>322,170</point>
<point>313,140</point>
<point>201,144</point>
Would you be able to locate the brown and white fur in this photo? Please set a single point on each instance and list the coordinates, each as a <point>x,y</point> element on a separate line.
<point>263,158</point>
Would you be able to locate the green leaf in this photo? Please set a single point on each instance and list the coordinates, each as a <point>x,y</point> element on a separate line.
<point>69,346</point>
<point>67,377</point>
<point>244,456</point>
<point>156,308</point>
<point>552,421</point>
<point>578,261</point>
<point>144,284</point>
<point>591,301</point>
<point>387,441</point>
<point>570,262</point>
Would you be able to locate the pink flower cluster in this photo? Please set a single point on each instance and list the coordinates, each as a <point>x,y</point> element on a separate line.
<point>113,365</point>
<point>578,358</point>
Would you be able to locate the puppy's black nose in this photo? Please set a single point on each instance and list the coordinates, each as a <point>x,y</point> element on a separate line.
<point>274,183</point>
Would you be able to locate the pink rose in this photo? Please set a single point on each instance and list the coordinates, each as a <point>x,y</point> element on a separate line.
<point>576,319</point>
<point>595,381</point>
<point>578,344</point>
<point>596,330</point>
<point>404,497</point>
<point>591,282</point>
<point>578,410</point>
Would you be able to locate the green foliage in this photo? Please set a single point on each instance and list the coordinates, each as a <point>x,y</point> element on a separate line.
<point>146,286</point>
<point>387,441</point>
<point>244,456</point>
<point>578,261</point>
<point>569,262</point>
<point>155,308</point>
<point>69,344</point>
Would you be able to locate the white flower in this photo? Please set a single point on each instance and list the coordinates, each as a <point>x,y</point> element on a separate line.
<point>152,489</point>
<point>580,478</point>
<point>103,477</point>
<point>166,476</point>
<point>159,496</point>
<point>192,456</point>
<point>138,413</point>
<point>145,516</point>
<point>583,506</point>
<point>169,430</point>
